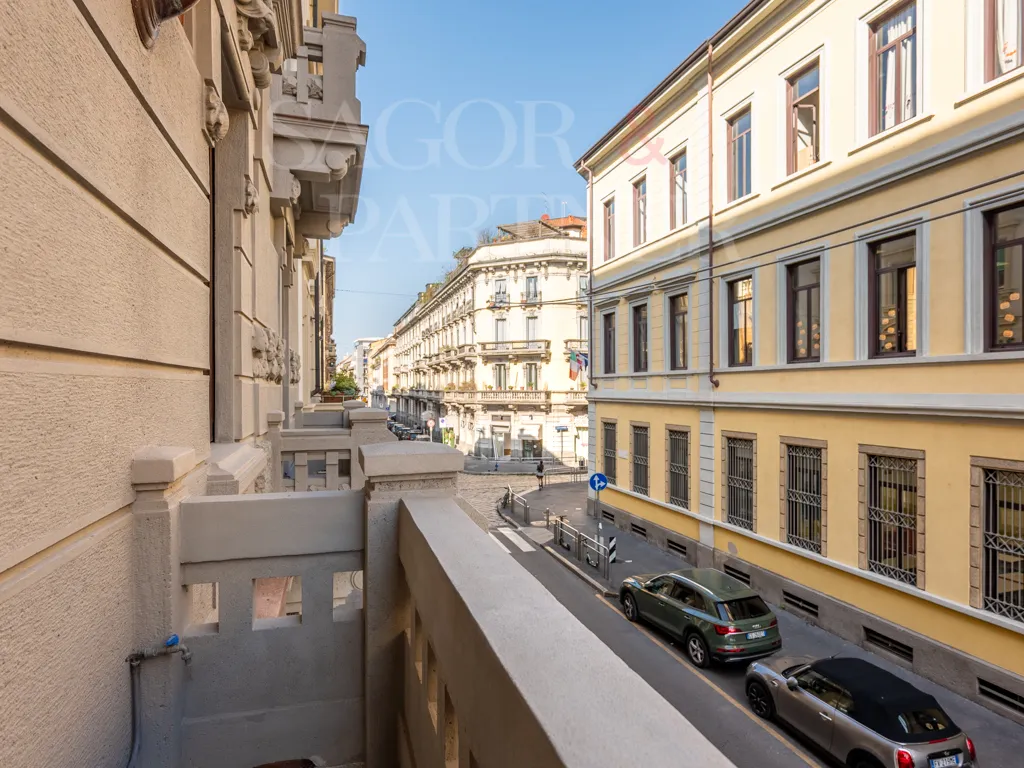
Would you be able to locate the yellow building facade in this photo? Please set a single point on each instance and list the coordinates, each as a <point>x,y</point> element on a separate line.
<point>808,361</point>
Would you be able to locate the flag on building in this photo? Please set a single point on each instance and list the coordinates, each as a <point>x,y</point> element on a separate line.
<point>577,362</point>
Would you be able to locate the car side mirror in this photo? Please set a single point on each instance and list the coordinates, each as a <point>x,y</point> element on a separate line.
<point>791,683</point>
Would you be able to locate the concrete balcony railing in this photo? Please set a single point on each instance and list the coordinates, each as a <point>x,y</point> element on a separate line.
<point>377,627</point>
<point>540,347</point>
<point>575,397</point>
<point>576,345</point>
<point>317,455</point>
<point>319,138</point>
<point>466,351</point>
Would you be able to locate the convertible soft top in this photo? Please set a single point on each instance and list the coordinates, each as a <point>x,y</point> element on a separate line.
<point>888,704</point>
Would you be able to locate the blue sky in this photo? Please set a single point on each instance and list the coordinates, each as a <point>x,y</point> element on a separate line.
<point>459,97</point>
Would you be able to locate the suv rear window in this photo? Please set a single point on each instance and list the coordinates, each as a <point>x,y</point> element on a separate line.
<point>742,609</point>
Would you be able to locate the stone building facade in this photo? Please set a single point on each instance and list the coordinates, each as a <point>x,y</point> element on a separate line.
<point>488,349</point>
<point>168,183</point>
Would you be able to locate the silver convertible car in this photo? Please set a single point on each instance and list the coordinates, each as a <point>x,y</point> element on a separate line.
<point>863,715</point>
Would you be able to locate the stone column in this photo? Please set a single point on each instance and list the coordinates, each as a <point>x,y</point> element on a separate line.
<point>274,421</point>
<point>393,471</point>
<point>163,477</point>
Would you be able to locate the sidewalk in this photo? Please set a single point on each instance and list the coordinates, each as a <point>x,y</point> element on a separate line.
<point>507,466</point>
<point>633,556</point>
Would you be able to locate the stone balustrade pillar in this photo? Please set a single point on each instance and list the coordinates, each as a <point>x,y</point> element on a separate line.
<point>393,471</point>
<point>297,416</point>
<point>275,420</point>
<point>163,477</point>
<point>369,426</point>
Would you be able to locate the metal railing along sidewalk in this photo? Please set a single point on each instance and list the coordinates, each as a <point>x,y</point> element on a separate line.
<point>585,549</point>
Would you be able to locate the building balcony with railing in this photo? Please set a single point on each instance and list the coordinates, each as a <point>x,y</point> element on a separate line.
<point>373,625</point>
<point>497,300</point>
<point>523,348</point>
<point>530,299</point>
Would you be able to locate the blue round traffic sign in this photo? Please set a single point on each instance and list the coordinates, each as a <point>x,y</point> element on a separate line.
<point>598,482</point>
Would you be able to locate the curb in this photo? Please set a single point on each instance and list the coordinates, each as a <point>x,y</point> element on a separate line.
<point>507,519</point>
<point>601,588</point>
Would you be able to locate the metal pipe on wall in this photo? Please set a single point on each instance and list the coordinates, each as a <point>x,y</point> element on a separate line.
<point>711,219</point>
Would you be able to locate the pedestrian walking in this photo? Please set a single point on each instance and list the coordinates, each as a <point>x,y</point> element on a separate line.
<point>540,474</point>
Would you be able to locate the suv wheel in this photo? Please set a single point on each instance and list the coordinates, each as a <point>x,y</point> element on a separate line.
<point>697,650</point>
<point>629,608</point>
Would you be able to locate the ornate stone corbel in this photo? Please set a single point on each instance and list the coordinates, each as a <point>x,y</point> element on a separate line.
<point>259,35</point>
<point>340,162</point>
<point>216,113</point>
<point>149,14</point>
<point>252,198</point>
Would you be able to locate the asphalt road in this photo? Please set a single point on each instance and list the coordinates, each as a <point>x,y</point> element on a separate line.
<point>714,699</point>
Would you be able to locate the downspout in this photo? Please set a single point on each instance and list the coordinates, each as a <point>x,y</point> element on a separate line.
<point>711,221</point>
<point>590,277</point>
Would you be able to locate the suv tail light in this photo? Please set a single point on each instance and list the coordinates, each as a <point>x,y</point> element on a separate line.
<point>970,748</point>
<point>775,623</point>
<point>903,759</point>
<point>725,630</point>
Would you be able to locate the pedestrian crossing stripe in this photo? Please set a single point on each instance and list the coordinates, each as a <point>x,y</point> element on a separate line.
<point>516,539</point>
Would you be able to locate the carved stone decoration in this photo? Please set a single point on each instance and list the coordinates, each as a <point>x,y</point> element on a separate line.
<point>296,191</point>
<point>258,34</point>
<point>316,87</point>
<point>252,198</point>
<point>340,162</point>
<point>149,14</point>
<point>268,357</point>
<point>216,113</point>
<point>294,366</point>
<point>289,85</point>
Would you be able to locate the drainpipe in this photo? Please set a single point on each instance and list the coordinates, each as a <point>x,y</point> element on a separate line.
<point>590,277</point>
<point>171,645</point>
<point>711,221</point>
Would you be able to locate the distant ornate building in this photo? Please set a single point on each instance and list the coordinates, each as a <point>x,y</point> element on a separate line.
<point>488,349</point>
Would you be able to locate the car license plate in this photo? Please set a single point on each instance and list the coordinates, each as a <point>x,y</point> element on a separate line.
<point>945,762</point>
<point>762,633</point>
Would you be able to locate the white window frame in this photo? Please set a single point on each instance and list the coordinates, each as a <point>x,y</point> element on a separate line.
<point>975,211</point>
<point>645,301</point>
<point>722,172</point>
<point>536,327</point>
<point>820,252</point>
<point>723,315</point>
<point>862,72</point>
<point>782,145</point>
<point>919,225</point>
<point>671,291</point>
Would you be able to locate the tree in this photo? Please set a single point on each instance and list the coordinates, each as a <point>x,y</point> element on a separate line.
<point>485,236</point>
<point>344,383</point>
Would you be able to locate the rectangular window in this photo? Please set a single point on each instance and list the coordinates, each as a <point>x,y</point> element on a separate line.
<point>500,291</point>
<point>1003,36</point>
<point>1004,275</point>
<point>678,309</point>
<point>739,482</point>
<point>531,289</point>
<point>741,322</point>
<point>804,124</point>
<point>531,376</point>
<point>894,69</point>
<point>609,342</point>
<point>804,313</point>
<point>641,445</point>
<point>893,296</point>
<point>892,517</point>
<point>679,468</point>
<point>500,376</point>
<point>583,286</point>
<point>739,156</point>
<point>1003,544</point>
<point>584,328</point>
<point>677,192</point>
<point>609,452</point>
<point>640,212</point>
<point>500,329</point>
<point>803,497</point>
<point>640,338</point>
<point>609,230</point>
<point>531,329</point>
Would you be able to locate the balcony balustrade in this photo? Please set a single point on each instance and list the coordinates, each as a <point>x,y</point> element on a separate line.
<point>377,626</point>
<point>497,300</point>
<point>528,299</point>
<point>525,348</point>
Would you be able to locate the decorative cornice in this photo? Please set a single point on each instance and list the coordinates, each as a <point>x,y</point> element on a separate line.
<point>258,34</point>
<point>149,14</point>
<point>216,113</point>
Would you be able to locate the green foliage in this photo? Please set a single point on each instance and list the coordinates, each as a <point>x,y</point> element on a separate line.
<point>344,383</point>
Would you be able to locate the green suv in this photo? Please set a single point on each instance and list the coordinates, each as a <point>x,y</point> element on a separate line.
<point>712,614</point>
